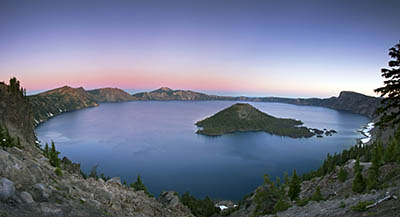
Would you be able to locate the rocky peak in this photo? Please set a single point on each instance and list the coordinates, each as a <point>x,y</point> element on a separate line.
<point>162,89</point>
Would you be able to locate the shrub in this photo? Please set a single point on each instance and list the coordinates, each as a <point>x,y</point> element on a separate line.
<point>361,206</point>
<point>58,172</point>
<point>317,196</point>
<point>281,205</point>
<point>342,174</point>
<point>302,202</point>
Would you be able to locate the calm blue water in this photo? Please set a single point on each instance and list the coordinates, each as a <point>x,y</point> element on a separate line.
<point>157,140</point>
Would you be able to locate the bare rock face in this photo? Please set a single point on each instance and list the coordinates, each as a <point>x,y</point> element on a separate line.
<point>26,197</point>
<point>170,199</point>
<point>7,189</point>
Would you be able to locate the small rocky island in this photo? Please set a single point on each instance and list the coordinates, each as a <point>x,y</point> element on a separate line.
<point>242,117</point>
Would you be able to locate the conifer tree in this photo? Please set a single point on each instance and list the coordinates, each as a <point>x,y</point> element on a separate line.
<point>373,171</point>
<point>358,182</point>
<point>317,196</point>
<point>46,150</point>
<point>286,178</point>
<point>389,154</point>
<point>294,186</point>
<point>390,90</point>
<point>139,186</point>
<point>342,174</point>
<point>281,205</point>
<point>54,160</point>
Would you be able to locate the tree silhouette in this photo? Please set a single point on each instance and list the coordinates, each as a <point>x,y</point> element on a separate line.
<point>294,186</point>
<point>358,182</point>
<point>391,90</point>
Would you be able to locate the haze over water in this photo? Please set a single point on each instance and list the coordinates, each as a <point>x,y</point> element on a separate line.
<point>157,140</point>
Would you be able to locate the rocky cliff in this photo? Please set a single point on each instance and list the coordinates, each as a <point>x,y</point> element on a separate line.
<point>31,186</point>
<point>16,114</point>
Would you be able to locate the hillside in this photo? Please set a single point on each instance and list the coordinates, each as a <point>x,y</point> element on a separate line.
<point>32,185</point>
<point>242,117</point>
<point>167,94</point>
<point>346,101</point>
<point>110,95</point>
<point>64,99</point>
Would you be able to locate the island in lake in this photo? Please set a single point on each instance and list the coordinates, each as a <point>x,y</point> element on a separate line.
<point>243,117</point>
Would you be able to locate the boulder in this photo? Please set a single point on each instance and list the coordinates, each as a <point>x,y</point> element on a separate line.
<point>170,199</point>
<point>51,209</point>
<point>26,197</point>
<point>7,189</point>
<point>114,181</point>
<point>41,192</point>
<point>67,164</point>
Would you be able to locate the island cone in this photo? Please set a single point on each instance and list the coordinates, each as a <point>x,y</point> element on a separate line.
<point>242,117</point>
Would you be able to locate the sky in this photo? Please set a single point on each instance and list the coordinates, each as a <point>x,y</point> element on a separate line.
<point>309,48</point>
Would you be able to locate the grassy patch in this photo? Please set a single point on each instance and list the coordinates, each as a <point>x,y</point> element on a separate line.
<point>361,206</point>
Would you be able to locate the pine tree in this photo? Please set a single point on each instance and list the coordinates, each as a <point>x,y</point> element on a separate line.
<point>281,205</point>
<point>342,174</point>
<point>286,178</point>
<point>46,150</point>
<point>373,171</point>
<point>93,173</point>
<point>294,186</point>
<point>139,186</point>
<point>358,182</point>
<point>54,160</point>
<point>317,196</point>
<point>391,89</point>
<point>389,154</point>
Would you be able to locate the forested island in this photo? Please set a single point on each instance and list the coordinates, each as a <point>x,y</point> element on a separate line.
<point>242,117</point>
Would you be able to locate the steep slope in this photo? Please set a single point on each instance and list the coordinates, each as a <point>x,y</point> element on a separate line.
<point>110,95</point>
<point>31,186</point>
<point>48,104</point>
<point>337,196</point>
<point>244,117</point>
<point>16,114</point>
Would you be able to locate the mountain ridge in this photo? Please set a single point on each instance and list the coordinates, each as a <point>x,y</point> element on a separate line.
<point>64,99</point>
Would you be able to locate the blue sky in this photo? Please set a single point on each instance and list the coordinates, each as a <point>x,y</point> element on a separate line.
<point>259,48</point>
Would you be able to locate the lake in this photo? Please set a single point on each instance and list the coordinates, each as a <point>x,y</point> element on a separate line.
<point>158,141</point>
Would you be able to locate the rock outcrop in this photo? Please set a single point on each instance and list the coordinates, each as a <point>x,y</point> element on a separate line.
<point>16,114</point>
